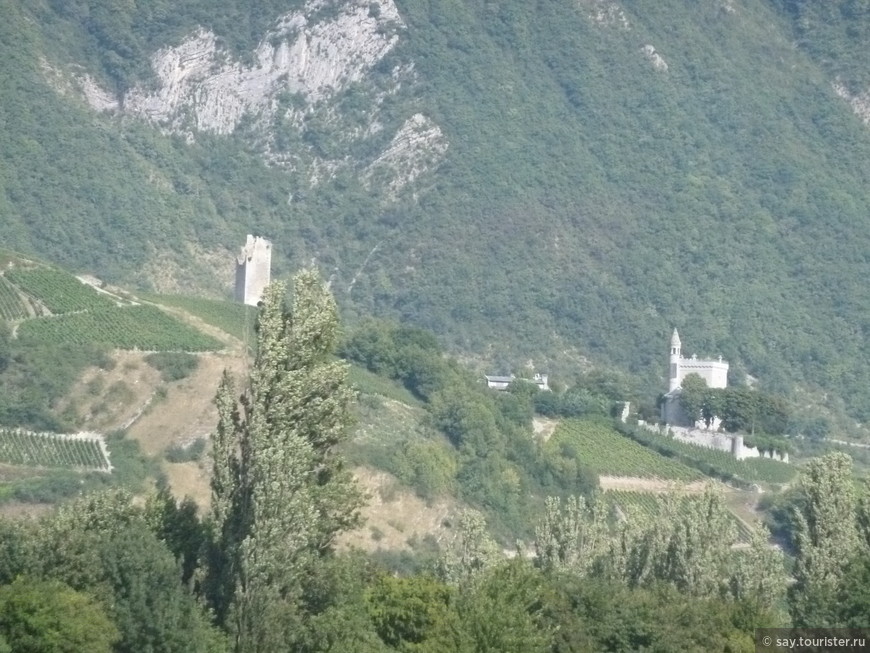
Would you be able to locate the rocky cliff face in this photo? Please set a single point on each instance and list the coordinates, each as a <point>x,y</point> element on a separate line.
<point>296,75</point>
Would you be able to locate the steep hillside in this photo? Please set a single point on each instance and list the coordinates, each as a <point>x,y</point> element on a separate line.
<point>527,179</point>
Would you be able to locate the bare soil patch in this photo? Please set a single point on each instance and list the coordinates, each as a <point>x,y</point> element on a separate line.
<point>104,400</point>
<point>190,480</point>
<point>395,515</point>
<point>544,427</point>
<point>187,412</point>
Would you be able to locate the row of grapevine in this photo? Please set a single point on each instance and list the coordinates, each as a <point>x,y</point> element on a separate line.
<point>128,327</point>
<point>646,505</point>
<point>230,317</point>
<point>11,305</point>
<point>19,447</point>
<point>59,292</point>
<point>716,461</point>
<point>599,447</point>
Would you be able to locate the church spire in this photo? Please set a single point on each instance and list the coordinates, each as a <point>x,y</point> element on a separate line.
<point>674,367</point>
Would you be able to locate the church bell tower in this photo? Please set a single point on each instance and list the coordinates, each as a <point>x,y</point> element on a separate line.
<point>674,376</point>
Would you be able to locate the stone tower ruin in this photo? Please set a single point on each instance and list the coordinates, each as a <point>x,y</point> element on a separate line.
<point>253,270</point>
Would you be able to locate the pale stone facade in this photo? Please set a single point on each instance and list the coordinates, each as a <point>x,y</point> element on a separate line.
<point>502,382</point>
<point>253,270</point>
<point>714,372</point>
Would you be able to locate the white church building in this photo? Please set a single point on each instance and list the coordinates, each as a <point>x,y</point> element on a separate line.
<point>714,372</point>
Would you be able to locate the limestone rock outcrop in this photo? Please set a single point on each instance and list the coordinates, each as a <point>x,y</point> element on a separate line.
<point>296,73</point>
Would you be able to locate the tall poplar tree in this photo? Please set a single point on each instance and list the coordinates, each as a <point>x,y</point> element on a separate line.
<point>826,537</point>
<point>280,494</point>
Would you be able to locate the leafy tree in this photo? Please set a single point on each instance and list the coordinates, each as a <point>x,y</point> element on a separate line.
<point>45,616</point>
<point>759,576</point>
<point>177,525</point>
<point>505,610</point>
<point>280,493</point>
<point>104,545</point>
<point>571,538</point>
<point>413,614</point>
<point>595,615</point>
<point>826,539</point>
<point>471,552</point>
<point>334,602</point>
<point>693,397</point>
<point>852,599</point>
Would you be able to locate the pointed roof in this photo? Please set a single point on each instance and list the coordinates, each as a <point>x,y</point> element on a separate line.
<point>675,339</point>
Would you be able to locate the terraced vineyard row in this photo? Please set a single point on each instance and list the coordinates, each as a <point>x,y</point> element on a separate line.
<point>18,447</point>
<point>227,316</point>
<point>602,449</point>
<point>58,291</point>
<point>130,327</point>
<point>11,306</point>
<point>648,505</point>
<point>751,469</point>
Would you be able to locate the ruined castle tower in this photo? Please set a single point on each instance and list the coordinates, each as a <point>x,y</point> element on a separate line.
<point>253,270</point>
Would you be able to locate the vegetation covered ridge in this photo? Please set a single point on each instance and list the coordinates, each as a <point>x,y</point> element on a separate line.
<point>708,193</point>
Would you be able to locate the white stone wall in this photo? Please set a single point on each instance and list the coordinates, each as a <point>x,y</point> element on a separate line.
<point>715,373</point>
<point>731,443</point>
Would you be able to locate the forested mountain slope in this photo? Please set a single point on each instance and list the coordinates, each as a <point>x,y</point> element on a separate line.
<point>526,178</point>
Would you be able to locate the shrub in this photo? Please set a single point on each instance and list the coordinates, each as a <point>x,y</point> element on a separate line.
<point>172,365</point>
<point>186,453</point>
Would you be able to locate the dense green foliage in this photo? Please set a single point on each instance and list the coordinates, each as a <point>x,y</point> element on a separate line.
<point>498,465</point>
<point>49,617</point>
<point>726,196</point>
<point>835,34</point>
<point>740,408</point>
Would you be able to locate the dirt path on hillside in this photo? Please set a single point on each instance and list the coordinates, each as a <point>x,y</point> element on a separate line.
<point>653,485</point>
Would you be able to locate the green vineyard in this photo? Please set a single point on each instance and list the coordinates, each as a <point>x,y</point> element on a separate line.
<point>716,462</point>
<point>228,316</point>
<point>11,305</point>
<point>602,449</point>
<point>18,447</point>
<point>646,505</point>
<point>144,328</point>
<point>58,291</point>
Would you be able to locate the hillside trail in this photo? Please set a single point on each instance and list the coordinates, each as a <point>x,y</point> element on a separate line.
<point>654,485</point>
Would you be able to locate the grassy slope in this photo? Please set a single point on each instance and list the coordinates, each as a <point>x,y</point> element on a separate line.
<point>582,190</point>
